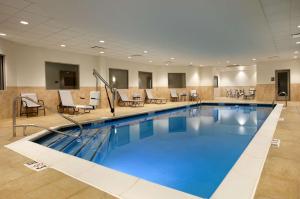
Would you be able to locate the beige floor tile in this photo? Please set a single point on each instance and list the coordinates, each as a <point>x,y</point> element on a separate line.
<point>275,188</point>
<point>279,178</point>
<point>90,193</point>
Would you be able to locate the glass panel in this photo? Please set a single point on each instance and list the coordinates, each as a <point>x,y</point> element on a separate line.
<point>282,82</point>
<point>118,78</point>
<point>2,77</point>
<point>216,81</point>
<point>176,80</point>
<point>145,80</point>
<point>62,76</point>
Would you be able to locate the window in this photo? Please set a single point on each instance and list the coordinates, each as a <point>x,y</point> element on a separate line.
<point>145,80</point>
<point>2,72</point>
<point>176,80</point>
<point>62,76</point>
<point>118,78</point>
<point>216,81</point>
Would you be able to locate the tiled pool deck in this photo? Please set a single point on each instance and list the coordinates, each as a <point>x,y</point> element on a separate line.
<point>279,179</point>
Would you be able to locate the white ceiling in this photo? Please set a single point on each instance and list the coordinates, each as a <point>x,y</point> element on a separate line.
<point>204,32</point>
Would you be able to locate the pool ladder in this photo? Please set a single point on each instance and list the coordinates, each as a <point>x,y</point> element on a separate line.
<point>199,102</point>
<point>24,126</point>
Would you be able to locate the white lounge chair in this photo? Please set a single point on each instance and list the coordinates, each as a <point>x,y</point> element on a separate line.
<point>194,95</point>
<point>66,102</point>
<point>152,99</point>
<point>125,101</point>
<point>28,107</point>
<point>174,96</point>
<point>250,94</point>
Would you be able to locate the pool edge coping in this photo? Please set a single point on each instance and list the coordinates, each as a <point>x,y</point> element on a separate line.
<point>139,186</point>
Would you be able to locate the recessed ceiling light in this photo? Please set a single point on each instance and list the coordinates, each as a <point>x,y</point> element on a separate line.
<point>24,22</point>
<point>101,52</point>
<point>172,58</point>
<point>63,45</point>
<point>298,42</point>
<point>145,51</point>
<point>227,61</point>
<point>150,61</point>
<point>102,41</point>
<point>2,34</point>
<point>191,63</point>
<point>129,57</point>
<point>167,64</point>
<point>295,57</point>
<point>296,52</point>
<point>253,59</point>
<point>298,26</point>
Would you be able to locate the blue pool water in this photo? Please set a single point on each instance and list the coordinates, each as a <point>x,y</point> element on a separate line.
<point>190,149</point>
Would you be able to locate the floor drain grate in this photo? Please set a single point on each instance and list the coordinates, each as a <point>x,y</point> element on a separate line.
<point>36,166</point>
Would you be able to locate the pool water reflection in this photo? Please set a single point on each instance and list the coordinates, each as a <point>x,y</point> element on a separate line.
<point>189,149</point>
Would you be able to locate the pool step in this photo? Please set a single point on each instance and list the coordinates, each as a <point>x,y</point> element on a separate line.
<point>76,145</point>
<point>90,149</point>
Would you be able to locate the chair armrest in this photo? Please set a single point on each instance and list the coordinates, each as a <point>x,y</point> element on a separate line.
<point>22,101</point>
<point>41,102</point>
<point>82,97</point>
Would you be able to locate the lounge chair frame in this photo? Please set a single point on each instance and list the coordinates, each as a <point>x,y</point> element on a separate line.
<point>124,101</point>
<point>150,99</point>
<point>26,109</point>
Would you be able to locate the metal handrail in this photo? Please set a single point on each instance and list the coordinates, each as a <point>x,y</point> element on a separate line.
<point>14,115</point>
<point>107,85</point>
<point>96,74</point>
<point>285,97</point>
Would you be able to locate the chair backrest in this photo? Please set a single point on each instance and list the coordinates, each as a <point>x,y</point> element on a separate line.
<point>123,94</point>
<point>94,98</point>
<point>173,93</point>
<point>27,102</point>
<point>149,93</point>
<point>66,98</point>
<point>252,91</point>
<point>193,92</point>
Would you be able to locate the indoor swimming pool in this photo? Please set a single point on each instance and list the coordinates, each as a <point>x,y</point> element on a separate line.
<point>190,148</point>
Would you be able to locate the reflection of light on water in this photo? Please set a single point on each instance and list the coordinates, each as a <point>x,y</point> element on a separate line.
<point>241,119</point>
<point>194,123</point>
<point>242,130</point>
<point>116,130</point>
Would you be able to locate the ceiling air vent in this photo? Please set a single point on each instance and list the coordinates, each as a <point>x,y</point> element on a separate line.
<point>232,65</point>
<point>136,55</point>
<point>273,57</point>
<point>98,47</point>
<point>295,36</point>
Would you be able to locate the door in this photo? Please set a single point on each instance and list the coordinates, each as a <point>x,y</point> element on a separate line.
<point>282,84</point>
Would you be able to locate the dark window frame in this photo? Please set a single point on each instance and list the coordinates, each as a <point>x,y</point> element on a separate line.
<point>2,73</point>
<point>184,81</point>
<point>110,77</point>
<point>76,87</point>
<point>141,85</point>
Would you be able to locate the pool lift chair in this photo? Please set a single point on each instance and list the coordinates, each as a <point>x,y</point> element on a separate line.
<point>108,87</point>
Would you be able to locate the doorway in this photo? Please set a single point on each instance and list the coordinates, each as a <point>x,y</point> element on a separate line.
<point>282,85</point>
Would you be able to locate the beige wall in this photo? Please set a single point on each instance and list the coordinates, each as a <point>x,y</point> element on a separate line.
<point>25,72</point>
<point>266,70</point>
<point>240,78</point>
